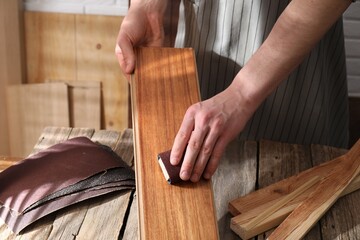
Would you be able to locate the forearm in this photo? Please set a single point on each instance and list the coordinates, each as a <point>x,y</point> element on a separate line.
<point>298,29</point>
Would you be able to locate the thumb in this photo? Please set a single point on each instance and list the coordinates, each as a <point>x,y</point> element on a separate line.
<point>125,54</point>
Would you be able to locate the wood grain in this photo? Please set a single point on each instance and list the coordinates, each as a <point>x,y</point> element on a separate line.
<point>300,221</point>
<point>163,87</point>
<point>32,107</point>
<point>11,60</point>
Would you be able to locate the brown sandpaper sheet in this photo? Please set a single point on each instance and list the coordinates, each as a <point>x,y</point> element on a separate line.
<point>64,174</point>
<point>19,222</point>
<point>51,170</point>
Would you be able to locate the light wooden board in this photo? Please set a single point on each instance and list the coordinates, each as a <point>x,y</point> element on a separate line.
<point>50,46</point>
<point>32,107</point>
<point>74,47</point>
<point>84,103</point>
<point>342,220</point>
<point>330,188</point>
<point>11,60</point>
<point>163,87</point>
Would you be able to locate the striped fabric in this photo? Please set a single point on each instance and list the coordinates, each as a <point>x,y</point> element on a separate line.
<point>310,106</point>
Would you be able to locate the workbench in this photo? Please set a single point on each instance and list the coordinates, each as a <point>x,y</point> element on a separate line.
<point>245,167</point>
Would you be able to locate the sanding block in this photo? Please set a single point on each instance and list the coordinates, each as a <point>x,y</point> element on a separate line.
<point>171,172</point>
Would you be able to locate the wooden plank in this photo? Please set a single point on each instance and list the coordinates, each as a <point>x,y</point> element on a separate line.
<point>95,41</point>
<point>125,147</point>
<point>301,220</point>
<point>11,60</point>
<point>131,231</point>
<point>248,207</point>
<point>277,161</point>
<point>163,87</point>
<point>235,176</point>
<point>85,104</point>
<point>106,227</point>
<point>342,220</point>
<point>32,107</point>
<point>50,46</point>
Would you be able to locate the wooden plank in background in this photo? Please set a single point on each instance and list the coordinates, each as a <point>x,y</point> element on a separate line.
<point>163,87</point>
<point>74,47</point>
<point>11,59</point>
<point>96,61</point>
<point>50,46</point>
<point>32,107</point>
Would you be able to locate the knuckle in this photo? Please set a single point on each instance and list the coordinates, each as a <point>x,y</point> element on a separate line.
<point>206,150</point>
<point>194,145</point>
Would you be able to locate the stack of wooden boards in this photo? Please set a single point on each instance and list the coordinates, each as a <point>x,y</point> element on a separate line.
<point>268,207</point>
<point>32,107</point>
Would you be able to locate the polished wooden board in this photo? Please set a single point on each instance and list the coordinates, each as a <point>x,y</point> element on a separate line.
<point>163,86</point>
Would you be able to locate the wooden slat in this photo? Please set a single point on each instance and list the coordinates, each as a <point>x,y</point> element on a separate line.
<point>163,87</point>
<point>276,162</point>
<point>32,107</point>
<point>342,220</point>
<point>304,216</point>
<point>235,176</point>
<point>11,60</point>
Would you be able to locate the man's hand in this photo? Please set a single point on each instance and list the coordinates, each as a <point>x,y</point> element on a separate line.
<point>142,26</point>
<point>206,130</point>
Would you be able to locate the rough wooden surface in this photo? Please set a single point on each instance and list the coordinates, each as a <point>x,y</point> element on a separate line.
<point>11,60</point>
<point>235,176</point>
<point>99,218</point>
<point>163,87</point>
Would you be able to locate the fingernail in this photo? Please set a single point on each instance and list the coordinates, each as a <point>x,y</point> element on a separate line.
<point>184,175</point>
<point>195,178</point>
<point>207,176</point>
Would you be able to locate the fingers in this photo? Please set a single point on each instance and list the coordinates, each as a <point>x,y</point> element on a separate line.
<point>125,54</point>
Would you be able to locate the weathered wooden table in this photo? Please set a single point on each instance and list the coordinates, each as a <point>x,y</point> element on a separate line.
<point>245,167</point>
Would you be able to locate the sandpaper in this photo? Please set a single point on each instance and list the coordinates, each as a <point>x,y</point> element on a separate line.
<point>113,177</point>
<point>171,172</point>
<point>51,170</point>
<point>59,176</point>
<point>18,222</point>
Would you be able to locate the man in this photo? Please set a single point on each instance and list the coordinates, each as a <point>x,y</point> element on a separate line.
<point>267,69</point>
